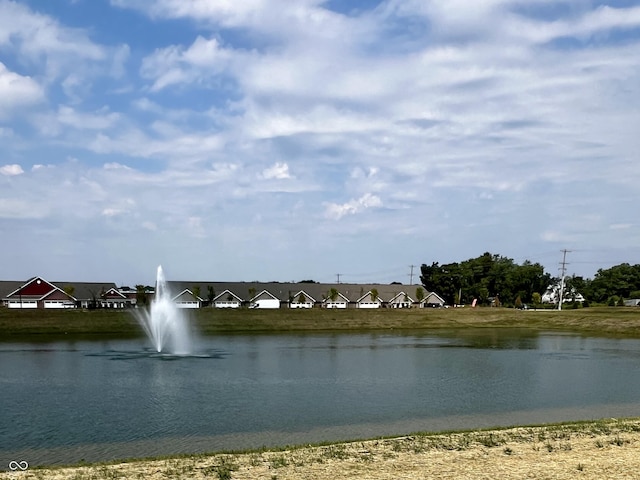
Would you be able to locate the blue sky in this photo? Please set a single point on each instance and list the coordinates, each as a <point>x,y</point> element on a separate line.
<point>278,140</point>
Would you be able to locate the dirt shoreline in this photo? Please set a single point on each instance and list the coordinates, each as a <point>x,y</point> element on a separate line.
<point>586,450</point>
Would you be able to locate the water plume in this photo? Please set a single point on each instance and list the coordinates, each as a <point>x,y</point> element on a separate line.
<point>164,323</point>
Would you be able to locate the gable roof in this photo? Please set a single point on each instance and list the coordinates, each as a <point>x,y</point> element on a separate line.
<point>264,294</point>
<point>370,295</point>
<point>88,290</point>
<point>401,295</point>
<point>287,291</point>
<point>227,293</point>
<point>37,288</point>
<point>431,296</point>
<point>306,296</point>
<point>340,296</point>
<point>114,293</point>
<point>187,295</point>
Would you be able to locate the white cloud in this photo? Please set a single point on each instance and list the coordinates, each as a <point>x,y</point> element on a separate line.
<point>472,115</point>
<point>279,171</point>
<point>195,227</point>
<point>15,208</point>
<point>337,211</point>
<point>115,166</point>
<point>35,34</point>
<point>17,90</point>
<point>111,212</point>
<point>151,226</point>
<point>177,65</point>
<point>11,170</point>
<point>100,120</point>
<point>621,226</point>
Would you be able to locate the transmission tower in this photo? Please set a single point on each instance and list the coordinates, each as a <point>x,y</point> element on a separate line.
<point>563,271</point>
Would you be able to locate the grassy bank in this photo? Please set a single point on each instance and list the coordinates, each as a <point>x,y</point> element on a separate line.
<point>600,321</point>
<point>587,450</point>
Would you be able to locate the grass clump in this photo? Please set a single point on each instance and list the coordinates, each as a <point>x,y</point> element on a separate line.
<point>279,461</point>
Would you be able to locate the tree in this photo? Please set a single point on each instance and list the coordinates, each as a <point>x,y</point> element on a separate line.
<point>141,296</point>
<point>69,289</point>
<point>374,294</point>
<point>618,281</point>
<point>211,294</point>
<point>419,294</point>
<point>518,302</point>
<point>485,277</point>
<point>333,294</point>
<point>536,298</point>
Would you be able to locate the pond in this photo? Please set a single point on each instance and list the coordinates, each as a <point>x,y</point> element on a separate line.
<point>65,402</point>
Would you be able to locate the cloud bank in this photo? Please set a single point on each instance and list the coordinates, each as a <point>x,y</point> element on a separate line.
<point>228,140</point>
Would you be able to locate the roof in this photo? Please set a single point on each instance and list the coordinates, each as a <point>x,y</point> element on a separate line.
<point>187,295</point>
<point>9,286</point>
<point>286,291</point>
<point>245,291</point>
<point>81,290</point>
<point>226,294</point>
<point>87,290</point>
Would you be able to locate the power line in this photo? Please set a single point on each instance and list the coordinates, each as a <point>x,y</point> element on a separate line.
<point>563,271</point>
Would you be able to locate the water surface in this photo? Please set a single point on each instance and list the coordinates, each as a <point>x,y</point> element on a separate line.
<point>67,401</point>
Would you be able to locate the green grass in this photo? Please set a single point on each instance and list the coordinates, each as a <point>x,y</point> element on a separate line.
<point>34,324</point>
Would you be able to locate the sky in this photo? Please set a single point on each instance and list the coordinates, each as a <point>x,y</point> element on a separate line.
<point>278,140</point>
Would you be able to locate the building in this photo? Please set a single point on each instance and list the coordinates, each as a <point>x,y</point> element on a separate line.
<point>40,293</point>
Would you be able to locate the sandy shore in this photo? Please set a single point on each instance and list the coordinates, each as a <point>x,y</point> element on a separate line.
<point>594,450</point>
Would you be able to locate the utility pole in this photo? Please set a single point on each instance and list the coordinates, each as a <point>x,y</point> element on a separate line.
<point>338,275</point>
<point>411,275</point>
<point>563,270</point>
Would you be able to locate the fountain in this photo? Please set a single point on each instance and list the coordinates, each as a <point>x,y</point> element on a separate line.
<point>164,323</point>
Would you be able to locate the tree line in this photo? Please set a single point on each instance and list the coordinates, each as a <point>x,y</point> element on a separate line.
<point>494,279</point>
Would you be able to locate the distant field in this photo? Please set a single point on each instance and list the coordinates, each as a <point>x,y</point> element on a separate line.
<point>121,323</point>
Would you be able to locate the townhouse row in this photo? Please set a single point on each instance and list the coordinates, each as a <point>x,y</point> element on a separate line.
<point>40,293</point>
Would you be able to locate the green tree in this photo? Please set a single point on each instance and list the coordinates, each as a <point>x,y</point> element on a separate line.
<point>485,277</point>
<point>419,294</point>
<point>618,281</point>
<point>142,298</point>
<point>374,294</point>
<point>536,298</point>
